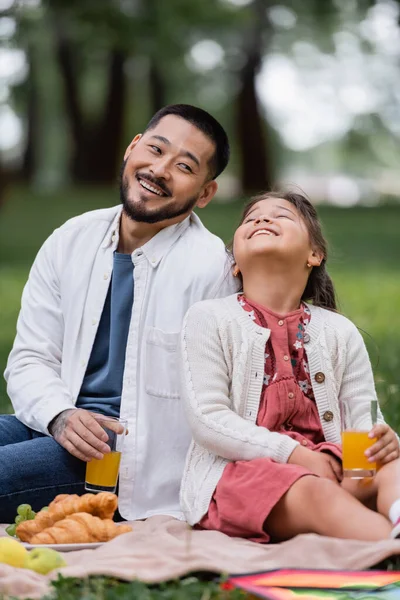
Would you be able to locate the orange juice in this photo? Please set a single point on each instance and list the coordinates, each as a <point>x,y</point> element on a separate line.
<point>355,463</point>
<point>103,473</point>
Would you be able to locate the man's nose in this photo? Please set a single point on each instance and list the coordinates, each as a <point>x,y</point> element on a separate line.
<point>161,168</point>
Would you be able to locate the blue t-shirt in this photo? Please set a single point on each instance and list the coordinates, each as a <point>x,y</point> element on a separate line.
<point>102,385</point>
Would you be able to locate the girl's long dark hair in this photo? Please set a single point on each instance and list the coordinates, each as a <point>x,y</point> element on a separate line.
<point>319,289</point>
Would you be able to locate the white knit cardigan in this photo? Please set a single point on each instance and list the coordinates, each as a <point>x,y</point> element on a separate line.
<point>222,367</point>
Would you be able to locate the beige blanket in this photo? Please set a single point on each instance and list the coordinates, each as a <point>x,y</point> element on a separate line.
<point>163,548</point>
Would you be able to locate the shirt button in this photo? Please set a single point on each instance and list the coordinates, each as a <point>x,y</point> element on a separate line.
<point>280,322</point>
<point>306,338</point>
<point>94,321</point>
<point>105,276</point>
<point>290,395</point>
<point>285,357</point>
<point>304,442</point>
<point>328,415</point>
<point>113,237</point>
<point>319,377</point>
<point>83,363</point>
<point>153,259</point>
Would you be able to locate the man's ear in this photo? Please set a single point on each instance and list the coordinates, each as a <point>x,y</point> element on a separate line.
<point>132,145</point>
<point>207,194</point>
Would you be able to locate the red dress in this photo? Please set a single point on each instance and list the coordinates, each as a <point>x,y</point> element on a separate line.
<point>249,490</point>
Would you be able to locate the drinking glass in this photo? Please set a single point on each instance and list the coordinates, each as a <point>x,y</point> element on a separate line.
<point>102,474</point>
<point>354,444</point>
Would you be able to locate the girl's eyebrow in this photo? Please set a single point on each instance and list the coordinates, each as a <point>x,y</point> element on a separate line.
<point>277,206</point>
<point>284,208</point>
<point>250,212</point>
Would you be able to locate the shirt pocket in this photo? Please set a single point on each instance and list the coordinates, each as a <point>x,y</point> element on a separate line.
<point>161,364</point>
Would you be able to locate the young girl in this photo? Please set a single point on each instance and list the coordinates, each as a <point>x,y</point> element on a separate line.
<point>263,374</point>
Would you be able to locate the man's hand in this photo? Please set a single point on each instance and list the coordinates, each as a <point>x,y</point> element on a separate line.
<point>319,463</point>
<point>386,448</point>
<point>78,432</point>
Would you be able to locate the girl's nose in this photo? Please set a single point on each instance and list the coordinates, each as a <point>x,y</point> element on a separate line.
<point>259,219</point>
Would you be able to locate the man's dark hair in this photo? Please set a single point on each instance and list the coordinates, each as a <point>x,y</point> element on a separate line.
<point>207,124</point>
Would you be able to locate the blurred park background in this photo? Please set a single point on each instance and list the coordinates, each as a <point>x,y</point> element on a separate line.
<point>308,90</point>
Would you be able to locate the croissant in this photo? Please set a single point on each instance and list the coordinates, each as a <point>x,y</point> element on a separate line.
<point>101,505</point>
<point>80,528</point>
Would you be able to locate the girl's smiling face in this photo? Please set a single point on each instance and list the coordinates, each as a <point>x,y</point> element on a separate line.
<point>274,228</point>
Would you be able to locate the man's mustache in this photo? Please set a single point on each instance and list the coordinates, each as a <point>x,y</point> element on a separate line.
<point>158,182</point>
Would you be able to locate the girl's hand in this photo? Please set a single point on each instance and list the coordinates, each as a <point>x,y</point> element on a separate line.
<point>386,448</point>
<point>319,463</point>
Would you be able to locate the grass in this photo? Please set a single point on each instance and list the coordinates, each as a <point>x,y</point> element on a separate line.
<point>107,588</point>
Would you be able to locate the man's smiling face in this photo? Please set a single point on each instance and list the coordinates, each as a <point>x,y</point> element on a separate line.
<point>166,172</point>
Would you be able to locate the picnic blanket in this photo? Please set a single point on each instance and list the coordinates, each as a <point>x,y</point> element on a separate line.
<point>163,548</point>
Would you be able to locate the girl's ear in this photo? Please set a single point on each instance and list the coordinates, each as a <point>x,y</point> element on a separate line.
<point>315,258</point>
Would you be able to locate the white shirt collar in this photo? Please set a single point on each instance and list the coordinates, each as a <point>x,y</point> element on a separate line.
<point>156,248</point>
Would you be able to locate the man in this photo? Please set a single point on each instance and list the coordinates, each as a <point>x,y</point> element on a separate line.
<point>99,326</point>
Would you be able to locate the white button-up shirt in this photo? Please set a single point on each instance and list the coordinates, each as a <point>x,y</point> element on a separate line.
<point>62,304</point>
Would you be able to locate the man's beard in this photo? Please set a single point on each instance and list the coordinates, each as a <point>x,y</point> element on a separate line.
<point>138,211</point>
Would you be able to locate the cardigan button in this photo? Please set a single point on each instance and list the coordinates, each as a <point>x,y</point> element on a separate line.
<point>319,377</point>
<point>306,338</point>
<point>328,415</point>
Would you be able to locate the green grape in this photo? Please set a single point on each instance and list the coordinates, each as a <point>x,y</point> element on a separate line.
<point>19,519</point>
<point>30,515</point>
<point>45,508</point>
<point>23,510</point>
<point>11,530</point>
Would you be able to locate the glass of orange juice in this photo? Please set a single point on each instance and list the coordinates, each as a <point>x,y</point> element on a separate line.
<point>102,474</point>
<point>354,444</point>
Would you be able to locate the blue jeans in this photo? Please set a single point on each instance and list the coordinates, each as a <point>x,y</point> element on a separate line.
<point>34,468</point>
